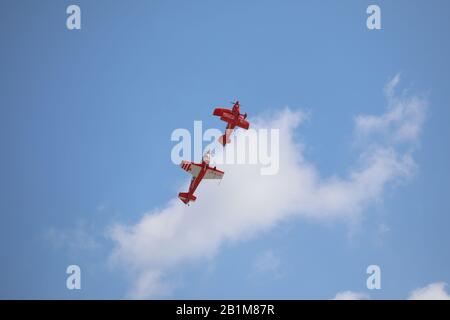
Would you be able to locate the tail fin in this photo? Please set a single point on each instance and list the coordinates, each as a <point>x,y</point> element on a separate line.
<point>186,198</point>
<point>224,139</point>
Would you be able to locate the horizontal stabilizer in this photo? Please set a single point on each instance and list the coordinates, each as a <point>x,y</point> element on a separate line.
<point>186,198</point>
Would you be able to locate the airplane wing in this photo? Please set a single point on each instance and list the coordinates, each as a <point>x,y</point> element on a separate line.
<point>212,173</point>
<point>191,167</point>
<point>220,111</point>
<point>224,114</point>
<point>243,123</point>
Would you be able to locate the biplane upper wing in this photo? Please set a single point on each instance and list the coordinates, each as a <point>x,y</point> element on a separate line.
<point>191,167</point>
<point>221,111</point>
<point>224,114</point>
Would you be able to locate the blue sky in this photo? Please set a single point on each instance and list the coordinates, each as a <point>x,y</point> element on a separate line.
<point>86,119</point>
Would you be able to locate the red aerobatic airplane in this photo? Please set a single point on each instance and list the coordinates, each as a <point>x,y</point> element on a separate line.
<point>199,172</point>
<point>233,118</point>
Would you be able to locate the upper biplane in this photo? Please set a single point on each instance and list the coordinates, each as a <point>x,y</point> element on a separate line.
<point>233,118</point>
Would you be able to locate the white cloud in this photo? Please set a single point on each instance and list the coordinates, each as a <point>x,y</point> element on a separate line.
<point>247,203</point>
<point>403,120</point>
<point>433,291</point>
<point>351,295</point>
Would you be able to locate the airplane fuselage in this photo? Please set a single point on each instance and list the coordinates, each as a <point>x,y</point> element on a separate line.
<point>196,181</point>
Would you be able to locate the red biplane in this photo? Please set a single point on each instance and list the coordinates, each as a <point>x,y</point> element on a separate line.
<point>199,172</point>
<point>233,118</point>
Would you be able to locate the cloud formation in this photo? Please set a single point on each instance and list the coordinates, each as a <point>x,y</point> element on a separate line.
<point>403,120</point>
<point>351,295</point>
<point>433,291</point>
<point>247,203</point>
